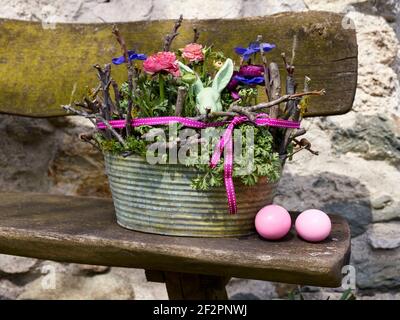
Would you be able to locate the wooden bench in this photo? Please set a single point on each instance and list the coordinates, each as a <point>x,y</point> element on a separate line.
<point>39,68</point>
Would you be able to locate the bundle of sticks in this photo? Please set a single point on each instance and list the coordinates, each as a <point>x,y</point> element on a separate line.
<point>102,105</point>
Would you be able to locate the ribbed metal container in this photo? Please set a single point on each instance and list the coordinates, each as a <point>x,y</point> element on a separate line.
<point>159,199</point>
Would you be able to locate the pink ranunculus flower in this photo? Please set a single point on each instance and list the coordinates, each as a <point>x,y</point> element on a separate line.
<point>162,61</point>
<point>193,52</point>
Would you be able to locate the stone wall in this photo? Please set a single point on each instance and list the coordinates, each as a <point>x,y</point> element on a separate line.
<point>356,173</point>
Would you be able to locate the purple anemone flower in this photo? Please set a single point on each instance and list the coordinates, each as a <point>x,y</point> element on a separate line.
<point>253,48</point>
<point>132,56</point>
<point>250,80</point>
<point>232,86</point>
<point>251,70</point>
<point>233,83</point>
<point>250,75</point>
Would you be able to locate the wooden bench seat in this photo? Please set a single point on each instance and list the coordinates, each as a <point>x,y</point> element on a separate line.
<point>84,230</point>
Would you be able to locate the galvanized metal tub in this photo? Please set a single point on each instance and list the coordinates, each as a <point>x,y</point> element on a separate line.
<point>159,199</point>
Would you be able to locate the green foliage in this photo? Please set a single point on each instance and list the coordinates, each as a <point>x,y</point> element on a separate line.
<point>266,162</point>
<point>296,294</point>
<point>248,96</point>
<point>134,143</point>
<point>209,178</point>
<point>348,295</point>
<point>109,145</point>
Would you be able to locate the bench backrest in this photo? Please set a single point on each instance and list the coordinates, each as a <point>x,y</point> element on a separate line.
<point>40,66</point>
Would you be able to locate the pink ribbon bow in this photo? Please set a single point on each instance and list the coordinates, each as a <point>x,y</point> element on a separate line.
<point>224,142</point>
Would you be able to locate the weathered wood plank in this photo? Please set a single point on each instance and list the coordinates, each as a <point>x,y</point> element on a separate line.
<point>83,230</point>
<point>155,276</point>
<point>39,67</point>
<point>185,286</point>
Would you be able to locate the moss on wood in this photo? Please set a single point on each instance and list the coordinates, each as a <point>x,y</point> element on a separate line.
<point>39,67</point>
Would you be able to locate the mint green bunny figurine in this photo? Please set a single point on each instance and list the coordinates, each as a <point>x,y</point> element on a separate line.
<point>210,97</point>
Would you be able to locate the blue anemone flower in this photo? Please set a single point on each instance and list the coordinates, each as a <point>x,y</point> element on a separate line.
<point>132,56</point>
<point>253,48</point>
<point>250,81</point>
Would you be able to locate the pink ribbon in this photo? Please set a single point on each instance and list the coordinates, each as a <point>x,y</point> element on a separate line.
<point>224,142</point>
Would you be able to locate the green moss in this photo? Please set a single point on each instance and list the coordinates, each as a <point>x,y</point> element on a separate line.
<point>134,144</point>
<point>266,163</point>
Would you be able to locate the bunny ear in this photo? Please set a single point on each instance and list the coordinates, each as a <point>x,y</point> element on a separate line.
<point>198,85</point>
<point>223,76</point>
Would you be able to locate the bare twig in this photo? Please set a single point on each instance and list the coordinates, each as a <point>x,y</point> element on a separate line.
<point>95,91</point>
<point>216,114</point>
<point>104,77</point>
<point>288,156</point>
<point>115,133</point>
<point>82,105</point>
<point>222,114</point>
<point>275,88</point>
<point>208,112</point>
<point>285,98</point>
<point>196,35</point>
<point>291,85</point>
<point>307,82</point>
<point>304,144</point>
<point>121,42</point>
<point>72,93</point>
<point>307,144</point>
<point>233,104</point>
<point>82,113</point>
<point>266,71</point>
<point>117,97</point>
<point>298,133</point>
<point>294,48</point>
<point>295,116</point>
<point>250,111</point>
<point>283,55</point>
<point>290,89</point>
<point>245,112</point>
<point>88,138</point>
<point>98,117</point>
<point>110,101</point>
<point>90,116</point>
<point>171,36</point>
<point>289,68</point>
<point>291,110</point>
<point>180,100</point>
<point>92,105</point>
<point>132,78</point>
<point>127,153</point>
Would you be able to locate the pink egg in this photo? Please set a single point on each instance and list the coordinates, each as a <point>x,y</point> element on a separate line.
<point>313,225</point>
<point>273,222</point>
